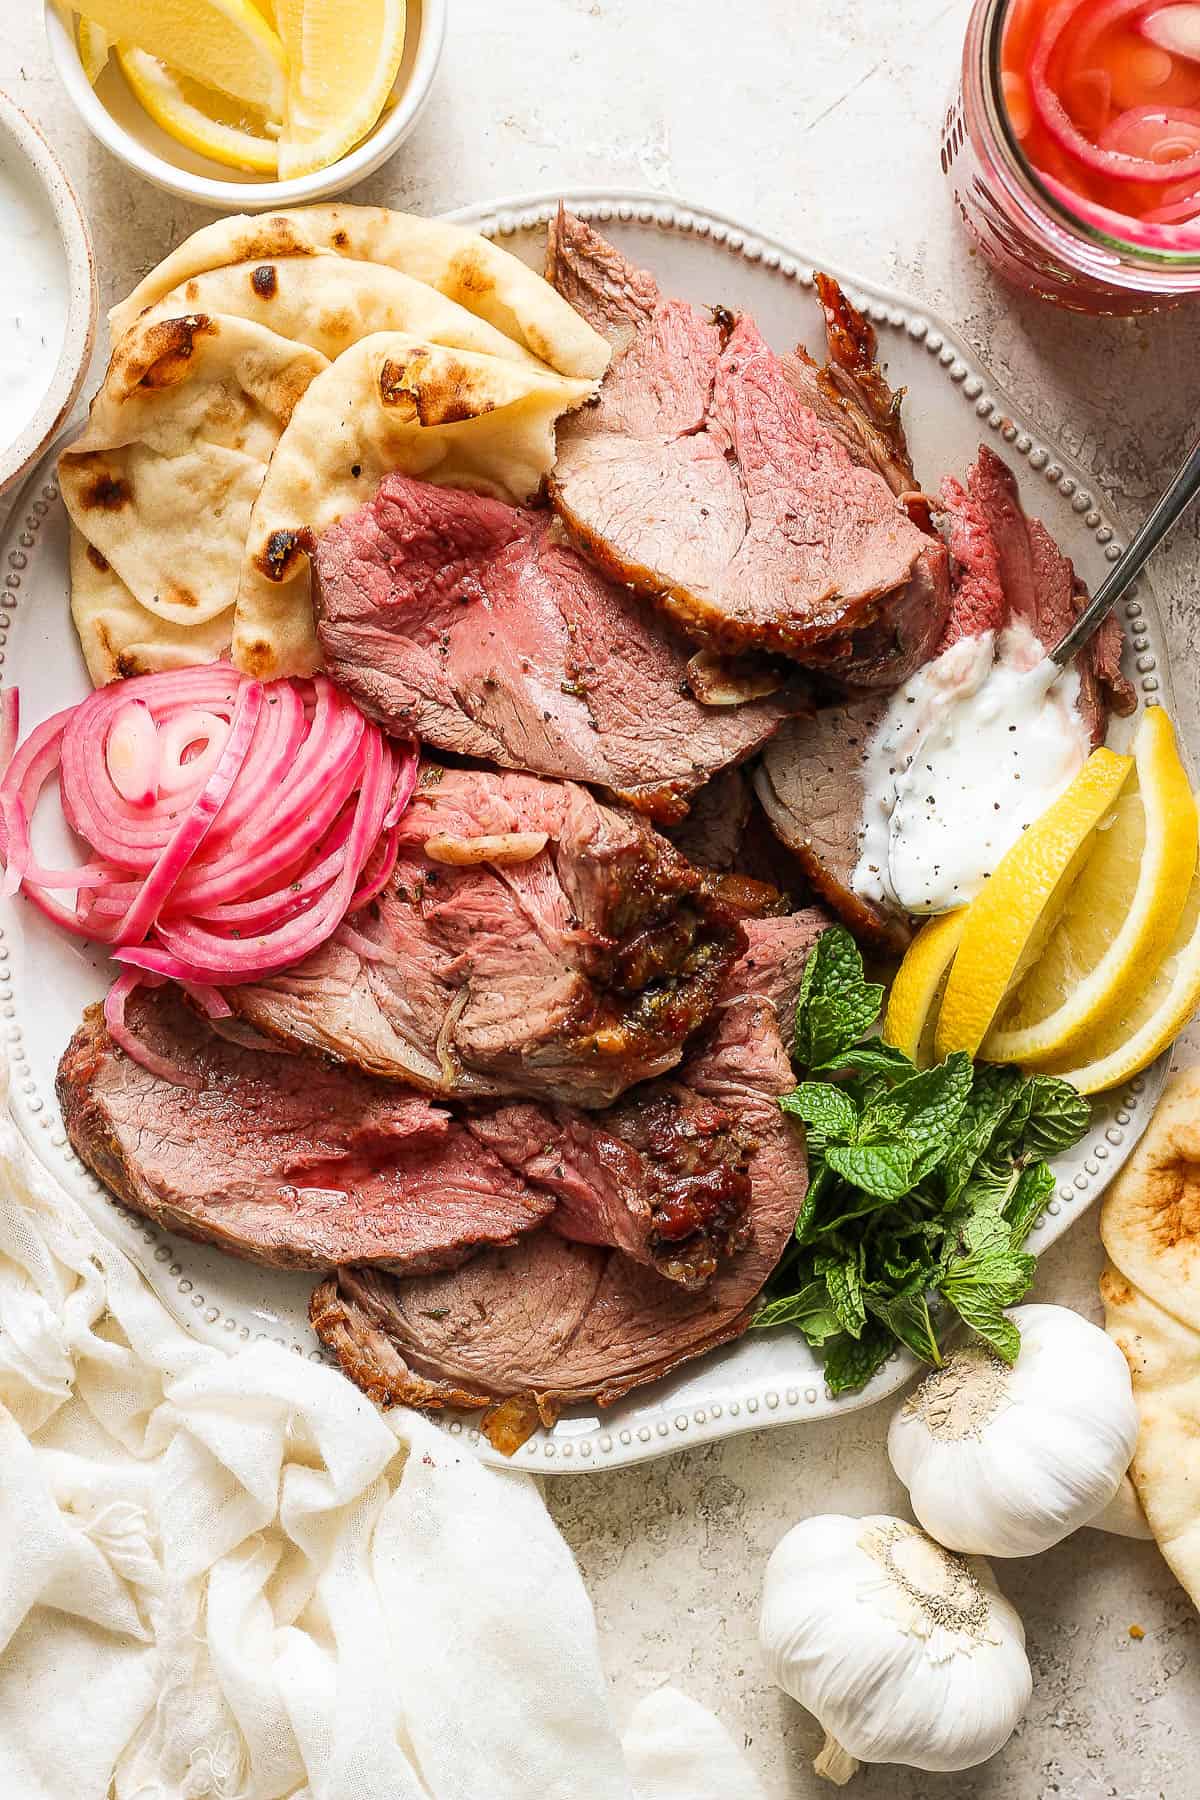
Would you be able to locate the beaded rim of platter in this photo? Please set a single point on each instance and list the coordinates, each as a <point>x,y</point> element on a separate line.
<point>643,1425</point>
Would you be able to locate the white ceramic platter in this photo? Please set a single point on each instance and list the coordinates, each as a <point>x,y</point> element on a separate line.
<point>46,980</point>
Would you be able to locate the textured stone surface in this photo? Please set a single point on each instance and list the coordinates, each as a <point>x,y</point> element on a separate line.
<point>818,124</point>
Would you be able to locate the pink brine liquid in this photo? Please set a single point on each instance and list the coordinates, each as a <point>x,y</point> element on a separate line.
<point>1103,97</point>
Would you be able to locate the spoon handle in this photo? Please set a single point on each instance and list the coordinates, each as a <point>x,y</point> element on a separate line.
<point>1184,486</point>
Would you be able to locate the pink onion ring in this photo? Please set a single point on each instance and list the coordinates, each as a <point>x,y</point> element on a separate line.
<point>1116,164</point>
<point>216,867</point>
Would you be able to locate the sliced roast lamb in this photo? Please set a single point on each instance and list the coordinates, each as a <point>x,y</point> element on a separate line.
<point>1042,590</point>
<point>476,627</point>
<point>704,480</point>
<point>1006,569</point>
<point>531,941</point>
<point>294,1161</point>
<point>552,1322</point>
<point>282,1159</point>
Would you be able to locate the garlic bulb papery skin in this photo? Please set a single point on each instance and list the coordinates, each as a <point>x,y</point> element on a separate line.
<point>904,1653</point>
<point>1007,1462</point>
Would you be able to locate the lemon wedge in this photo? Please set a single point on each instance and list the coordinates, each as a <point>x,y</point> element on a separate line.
<point>917,990</point>
<point>224,44</point>
<point>1141,1030</point>
<point>1121,914</point>
<point>93,49</point>
<point>207,122</point>
<point>342,59</point>
<point>1007,924</point>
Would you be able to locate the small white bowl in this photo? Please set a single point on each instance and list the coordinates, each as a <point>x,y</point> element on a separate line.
<point>116,117</point>
<point>22,142</point>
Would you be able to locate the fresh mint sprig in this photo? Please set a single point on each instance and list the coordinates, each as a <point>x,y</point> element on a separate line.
<point>923,1183</point>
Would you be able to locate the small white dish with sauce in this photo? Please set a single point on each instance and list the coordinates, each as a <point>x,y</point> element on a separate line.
<point>47,294</point>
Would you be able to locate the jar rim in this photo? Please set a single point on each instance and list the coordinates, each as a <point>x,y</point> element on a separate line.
<point>1135,257</point>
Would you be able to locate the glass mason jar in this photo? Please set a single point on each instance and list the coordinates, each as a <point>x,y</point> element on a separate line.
<point>1027,235</point>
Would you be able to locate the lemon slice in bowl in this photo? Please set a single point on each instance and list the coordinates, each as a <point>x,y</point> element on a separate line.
<point>224,44</point>
<point>342,58</point>
<point>93,49</point>
<point>210,123</point>
<point>1007,924</point>
<point>916,993</point>
<point>1132,1038</point>
<point>1120,917</point>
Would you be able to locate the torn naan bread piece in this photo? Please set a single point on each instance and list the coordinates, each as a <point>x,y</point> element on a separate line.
<point>389,402</point>
<point>466,267</point>
<point>1150,1227</point>
<point>163,479</point>
<point>330,302</point>
<point>119,638</point>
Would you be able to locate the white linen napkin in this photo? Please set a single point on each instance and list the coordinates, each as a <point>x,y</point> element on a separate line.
<point>228,1577</point>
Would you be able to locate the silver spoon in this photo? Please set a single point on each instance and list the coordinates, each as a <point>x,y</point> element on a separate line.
<point>1184,486</point>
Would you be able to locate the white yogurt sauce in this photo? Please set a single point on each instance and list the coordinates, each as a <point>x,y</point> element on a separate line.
<point>972,749</point>
<point>33,296</point>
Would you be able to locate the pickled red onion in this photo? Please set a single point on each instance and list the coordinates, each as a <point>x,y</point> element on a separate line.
<point>275,815</point>
<point>1107,159</point>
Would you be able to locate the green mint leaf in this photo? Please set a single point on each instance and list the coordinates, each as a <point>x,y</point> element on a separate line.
<point>985,1277</point>
<point>809,1311</point>
<point>1034,1188</point>
<point>997,1332</point>
<point>906,1315</point>
<point>1050,1116</point>
<point>994,1093</point>
<point>857,1206</point>
<point>830,1115</point>
<point>885,1170</point>
<point>881,1121</point>
<point>851,1362</point>
<point>844,1286</point>
<point>819,1181</point>
<point>873,1057</point>
<point>931,1105</point>
<point>836,1004</point>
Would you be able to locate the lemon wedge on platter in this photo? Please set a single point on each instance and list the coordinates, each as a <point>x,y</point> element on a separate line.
<point>223,44</point>
<point>342,58</point>
<point>1120,917</point>
<point>1008,923</point>
<point>913,1003</point>
<point>228,131</point>
<point>1148,1021</point>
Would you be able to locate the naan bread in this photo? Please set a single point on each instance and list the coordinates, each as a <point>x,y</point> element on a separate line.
<point>120,638</point>
<point>467,268</point>
<point>392,401</point>
<point>162,481</point>
<point>330,302</point>
<point>1150,1225</point>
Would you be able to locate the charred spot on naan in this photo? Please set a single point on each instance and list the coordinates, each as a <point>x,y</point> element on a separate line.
<point>264,279</point>
<point>280,557</point>
<point>101,488</point>
<point>338,324</point>
<point>97,559</point>
<point>276,236</point>
<point>160,356</point>
<point>434,389</point>
<point>257,658</point>
<point>468,274</point>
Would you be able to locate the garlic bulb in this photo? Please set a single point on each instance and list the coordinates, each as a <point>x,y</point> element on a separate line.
<point>903,1652</point>
<point>1007,1462</point>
